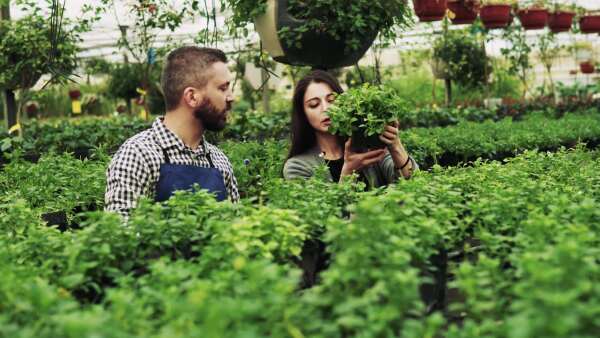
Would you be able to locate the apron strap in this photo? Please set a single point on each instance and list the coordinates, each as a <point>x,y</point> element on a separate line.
<point>166,156</point>
<point>168,160</point>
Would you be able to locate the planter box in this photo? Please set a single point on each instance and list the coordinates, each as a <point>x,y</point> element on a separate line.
<point>533,18</point>
<point>560,21</point>
<point>430,10</point>
<point>590,24</point>
<point>463,15</point>
<point>495,16</point>
<point>317,49</point>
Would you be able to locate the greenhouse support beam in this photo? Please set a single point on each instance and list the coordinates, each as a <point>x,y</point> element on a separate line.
<point>10,104</point>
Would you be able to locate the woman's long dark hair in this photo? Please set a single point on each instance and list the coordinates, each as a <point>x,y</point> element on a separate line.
<point>303,134</point>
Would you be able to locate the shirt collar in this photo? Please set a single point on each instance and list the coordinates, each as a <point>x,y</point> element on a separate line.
<point>168,139</point>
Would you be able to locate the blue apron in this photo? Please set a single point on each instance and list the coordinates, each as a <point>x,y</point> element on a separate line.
<point>175,177</point>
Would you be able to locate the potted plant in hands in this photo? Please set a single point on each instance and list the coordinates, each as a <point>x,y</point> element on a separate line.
<point>362,114</point>
<point>465,11</point>
<point>561,18</point>
<point>496,13</point>
<point>589,22</point>
<point>322,34</point>
<point>533,14</point>
<point>430,10</point>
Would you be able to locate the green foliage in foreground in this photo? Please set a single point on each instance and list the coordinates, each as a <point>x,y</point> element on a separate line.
<point>523,238</point>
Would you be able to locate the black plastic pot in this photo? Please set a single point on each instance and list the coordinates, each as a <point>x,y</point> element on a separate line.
<point>433,293</point>
<point>57,218</point>
<point>362,143</point>
<point>317,48</point>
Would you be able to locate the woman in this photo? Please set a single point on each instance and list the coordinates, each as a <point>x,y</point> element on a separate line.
<point>312,144</point>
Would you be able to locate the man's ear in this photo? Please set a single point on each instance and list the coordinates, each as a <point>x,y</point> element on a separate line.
<point>192,97</point>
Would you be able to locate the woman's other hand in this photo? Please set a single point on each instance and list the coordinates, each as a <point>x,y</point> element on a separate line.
<point>390,137</point>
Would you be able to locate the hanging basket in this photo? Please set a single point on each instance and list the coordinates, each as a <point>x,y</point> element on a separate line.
<point>560,21</point>
<point>590,24</point>
<point>430,10</point>
<point>495,16</point>
<point>316,48</point>
<point>587,67</point>
<point>533,18</point>
<point>463,14</point>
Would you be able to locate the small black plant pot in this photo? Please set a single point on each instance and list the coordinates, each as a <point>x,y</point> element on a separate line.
<point>362,143</point>
<point>56,218</point>
<point>316,48</point>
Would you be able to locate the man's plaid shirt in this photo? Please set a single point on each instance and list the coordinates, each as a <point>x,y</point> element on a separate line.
<point>134,170</point>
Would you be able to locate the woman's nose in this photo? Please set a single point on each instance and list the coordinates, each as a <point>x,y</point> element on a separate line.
<point>325,106</point>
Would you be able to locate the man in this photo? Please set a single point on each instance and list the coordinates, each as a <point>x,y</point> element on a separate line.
<point>173,155</point>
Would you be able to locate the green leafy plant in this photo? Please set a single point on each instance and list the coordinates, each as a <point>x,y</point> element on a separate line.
<point>365,111</point>
<point>463,56</point>
<point>338,19</point>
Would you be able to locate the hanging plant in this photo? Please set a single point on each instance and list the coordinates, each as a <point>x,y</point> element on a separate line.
<point>320,33</point>
<point>587,67</point>
<point>496,13</point>
<point>589,23</point>
<point>561,18</point>
<point>533,14</point>
<point>430,10</point>
<point>35,44</point>
<point>465,11</point>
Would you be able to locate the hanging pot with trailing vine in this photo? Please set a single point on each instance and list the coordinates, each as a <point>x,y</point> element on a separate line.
<point>288,40</point>
<point>322,34</point>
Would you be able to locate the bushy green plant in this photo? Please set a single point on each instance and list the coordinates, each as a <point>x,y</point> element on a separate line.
<point>463,56</point>
<point>365,110</point>
<point>342,21</point>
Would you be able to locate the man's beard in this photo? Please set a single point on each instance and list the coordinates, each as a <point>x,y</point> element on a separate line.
<point>212,118</point>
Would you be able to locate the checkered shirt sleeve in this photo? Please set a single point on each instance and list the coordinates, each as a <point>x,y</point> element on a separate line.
<point>128,177</point>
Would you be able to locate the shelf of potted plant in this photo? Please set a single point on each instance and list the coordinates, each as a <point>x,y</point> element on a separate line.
<point>430,10</point>
<point>496,13</point>
<point>589,23</point>
<point>465,11</point>
<point>533,14</point>
<point>561,18</point>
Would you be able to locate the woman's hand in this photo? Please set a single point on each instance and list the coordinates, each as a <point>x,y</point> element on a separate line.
<point>357,161</point>
<point>394,145</point>
<point>390,137</point>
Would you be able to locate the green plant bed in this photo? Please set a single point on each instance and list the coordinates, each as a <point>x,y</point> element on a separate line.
<point>229,269</point>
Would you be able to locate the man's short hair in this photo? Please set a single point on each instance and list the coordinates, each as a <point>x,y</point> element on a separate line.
<point>187,67</point>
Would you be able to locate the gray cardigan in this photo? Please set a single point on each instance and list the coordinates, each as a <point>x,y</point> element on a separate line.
<point>380,174</point>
